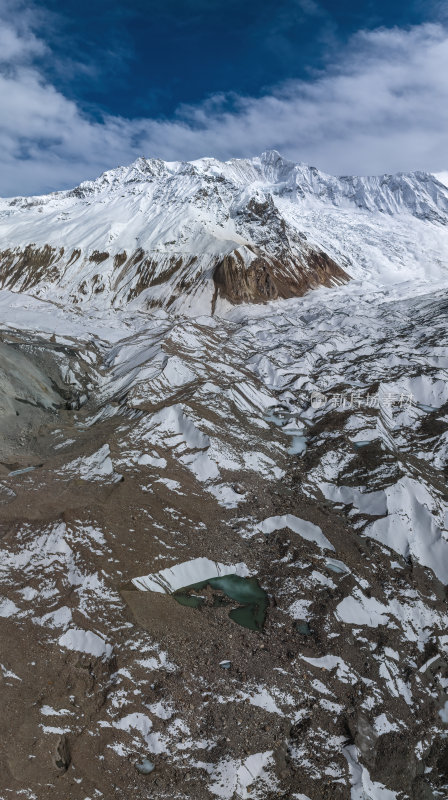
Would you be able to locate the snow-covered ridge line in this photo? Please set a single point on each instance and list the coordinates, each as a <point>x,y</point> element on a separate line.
<point>420,193</point>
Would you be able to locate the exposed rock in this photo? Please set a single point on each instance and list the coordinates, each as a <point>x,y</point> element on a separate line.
<point>63,756</point>
<point>244,277</point>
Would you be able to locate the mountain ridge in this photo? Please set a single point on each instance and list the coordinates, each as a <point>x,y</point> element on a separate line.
<point>269,166</point>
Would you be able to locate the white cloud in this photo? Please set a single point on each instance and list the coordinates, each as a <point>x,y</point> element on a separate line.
<point>382,108</point>
<point>18,46</point>
<point>18,42</point>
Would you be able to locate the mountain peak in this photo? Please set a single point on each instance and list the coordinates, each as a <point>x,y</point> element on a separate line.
<point>199,233</point>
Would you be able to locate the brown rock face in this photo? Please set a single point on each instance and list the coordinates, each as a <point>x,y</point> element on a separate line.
<point>25,267</point>
<point>267,277</point>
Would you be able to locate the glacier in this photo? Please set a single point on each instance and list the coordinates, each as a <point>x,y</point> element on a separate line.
<point>163,332</point>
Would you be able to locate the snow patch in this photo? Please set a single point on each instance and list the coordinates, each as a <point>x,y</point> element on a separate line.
<point>199,569</point>
<point>307,530</point>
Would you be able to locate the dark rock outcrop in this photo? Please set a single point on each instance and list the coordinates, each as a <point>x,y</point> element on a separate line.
<point>267,277</point>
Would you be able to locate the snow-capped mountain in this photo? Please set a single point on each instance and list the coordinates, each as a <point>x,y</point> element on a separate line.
<point>198,235</point>
<point>224,522</point>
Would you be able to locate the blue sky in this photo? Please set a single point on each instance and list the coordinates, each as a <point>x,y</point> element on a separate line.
<point>351,87</point>
<point>149,57</point>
